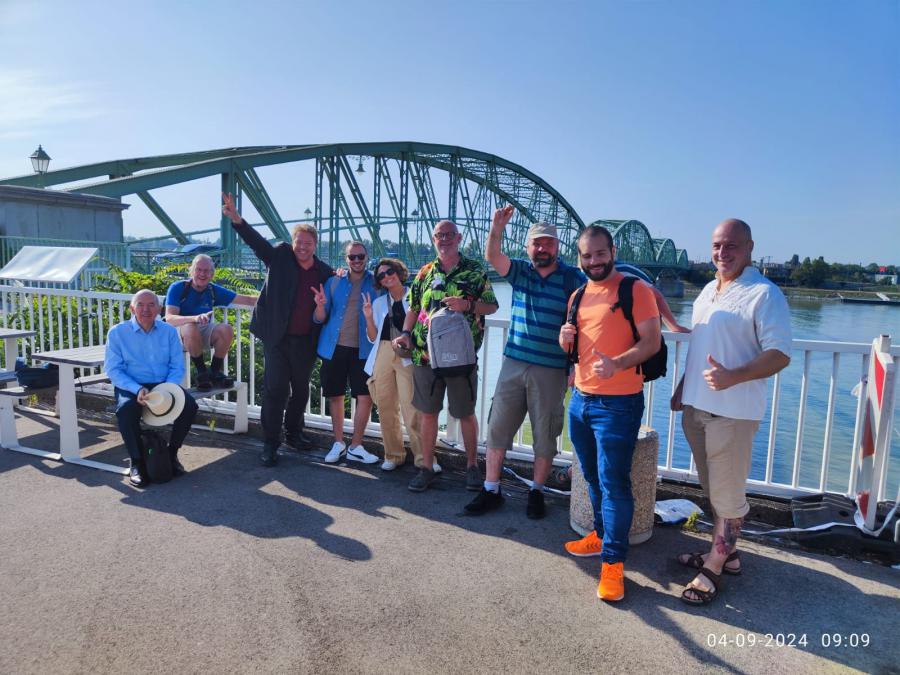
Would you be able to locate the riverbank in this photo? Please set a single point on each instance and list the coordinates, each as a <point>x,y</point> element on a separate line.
<point>800,293</point>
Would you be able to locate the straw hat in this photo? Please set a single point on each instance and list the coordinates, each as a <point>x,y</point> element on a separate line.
<point>164,404</point>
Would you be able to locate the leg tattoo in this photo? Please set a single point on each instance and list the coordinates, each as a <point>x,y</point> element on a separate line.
<point>732,532</point>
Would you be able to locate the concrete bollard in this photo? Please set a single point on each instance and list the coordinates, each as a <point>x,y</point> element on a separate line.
<point>643,486</point>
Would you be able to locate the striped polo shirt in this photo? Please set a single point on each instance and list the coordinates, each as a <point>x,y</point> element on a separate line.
<point>538,310</point>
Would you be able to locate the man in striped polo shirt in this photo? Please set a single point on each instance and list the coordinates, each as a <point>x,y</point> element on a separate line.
<point>533,375</point>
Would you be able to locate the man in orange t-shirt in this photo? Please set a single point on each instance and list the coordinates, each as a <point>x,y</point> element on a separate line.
<point>606,407</point>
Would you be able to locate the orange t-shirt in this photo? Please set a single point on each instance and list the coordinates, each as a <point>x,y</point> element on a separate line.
<point>609,333</point>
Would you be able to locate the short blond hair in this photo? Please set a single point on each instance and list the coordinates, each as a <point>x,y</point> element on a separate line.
<point>305,227</point>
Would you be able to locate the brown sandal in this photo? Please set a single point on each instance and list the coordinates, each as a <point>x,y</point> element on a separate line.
<point>695,561</point>
<point>702,597</point>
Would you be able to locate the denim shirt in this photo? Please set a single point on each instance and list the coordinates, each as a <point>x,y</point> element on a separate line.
<point>337,292</point>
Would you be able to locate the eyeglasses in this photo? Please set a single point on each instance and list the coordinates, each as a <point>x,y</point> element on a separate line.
<point>389,272</point>
<point>356,256</point>
<point>445,235</point>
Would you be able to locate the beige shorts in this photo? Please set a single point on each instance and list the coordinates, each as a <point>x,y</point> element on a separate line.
<point>536,390</point>
<point>206,331</point>
<point>722,449</point>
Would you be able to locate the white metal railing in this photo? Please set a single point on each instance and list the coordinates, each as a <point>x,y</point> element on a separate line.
<point>66,318</point>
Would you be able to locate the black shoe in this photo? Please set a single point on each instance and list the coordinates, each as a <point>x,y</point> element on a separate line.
<point>298,440</point>
<point>136,478</point>
<point>203,381</point>
<point>269,455</point>
<point>535,509</point>
<point>220,380</point>
<point>485,501</point>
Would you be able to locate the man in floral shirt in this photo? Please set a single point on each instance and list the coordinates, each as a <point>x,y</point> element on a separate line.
<point>461,284</point>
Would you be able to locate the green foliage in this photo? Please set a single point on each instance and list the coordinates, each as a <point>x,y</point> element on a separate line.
<point>690,524</point>
<point>811,273</point>
<point>120,280</point>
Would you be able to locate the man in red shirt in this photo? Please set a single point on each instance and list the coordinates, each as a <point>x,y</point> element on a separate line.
<point>606,407</point>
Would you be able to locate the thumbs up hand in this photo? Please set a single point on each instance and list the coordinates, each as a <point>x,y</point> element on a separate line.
<point>603,366</point>
<point>717,376</point>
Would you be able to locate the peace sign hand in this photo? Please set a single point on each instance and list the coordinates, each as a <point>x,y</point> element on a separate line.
<point>319,296</point>
<point>229,209</point>
<point>367,305</point>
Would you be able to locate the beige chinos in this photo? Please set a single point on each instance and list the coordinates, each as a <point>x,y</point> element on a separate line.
<point>391,388</point>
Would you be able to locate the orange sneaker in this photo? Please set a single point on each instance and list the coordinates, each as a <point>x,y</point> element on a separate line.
<point>586,547</point>
<point>612,582</point>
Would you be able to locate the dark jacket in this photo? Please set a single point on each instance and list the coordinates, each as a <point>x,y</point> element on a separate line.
<point>272,314</point>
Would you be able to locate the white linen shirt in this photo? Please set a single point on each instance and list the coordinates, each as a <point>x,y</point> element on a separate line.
<point>734,327</point>
<point>380,309</point>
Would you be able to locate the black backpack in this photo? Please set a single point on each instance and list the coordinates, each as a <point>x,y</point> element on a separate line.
<point>654,367</point>
<point>157,458</point>
<point>37,377</point>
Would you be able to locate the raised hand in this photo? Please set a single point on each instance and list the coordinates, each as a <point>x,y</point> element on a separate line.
<point>318,295</point>
<point>503,215</point>
<point>603,366</point>
<point>367,305</point>
<point>229,209</point>
<point>717,376</point>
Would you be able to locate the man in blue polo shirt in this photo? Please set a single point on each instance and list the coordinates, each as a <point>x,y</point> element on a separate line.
<point>189,307</point>
<point>533,376</point>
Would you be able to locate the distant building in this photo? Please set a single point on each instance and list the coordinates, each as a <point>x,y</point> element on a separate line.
<point>51,214</point>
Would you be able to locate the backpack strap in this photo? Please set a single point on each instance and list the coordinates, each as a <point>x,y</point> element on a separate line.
<point>187,289</point>
<point>572,318</point>
<point>626,302</point>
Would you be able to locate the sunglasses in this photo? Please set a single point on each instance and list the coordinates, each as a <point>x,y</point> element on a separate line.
<point>389,272</point>
<point>445,235</point>
<point>356,256</point>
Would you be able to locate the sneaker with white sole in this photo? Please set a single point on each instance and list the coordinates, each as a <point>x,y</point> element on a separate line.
<point>358,453</point>
<point>436,467</point>
<point>336,454</point>
<point>389,465</point>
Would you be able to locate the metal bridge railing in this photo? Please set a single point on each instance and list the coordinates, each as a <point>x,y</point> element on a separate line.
<point>800,448</point>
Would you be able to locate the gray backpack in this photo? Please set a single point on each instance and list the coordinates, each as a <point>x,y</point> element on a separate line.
<point>451,349</point>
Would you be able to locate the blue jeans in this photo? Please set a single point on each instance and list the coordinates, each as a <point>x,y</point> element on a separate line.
<point>604,431</point>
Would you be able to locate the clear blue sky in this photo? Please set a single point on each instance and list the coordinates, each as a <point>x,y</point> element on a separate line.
<point>678,114</point>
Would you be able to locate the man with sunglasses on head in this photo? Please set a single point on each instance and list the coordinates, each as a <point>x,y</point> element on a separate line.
<point>283,322</point>
<point>460,283</point>
<point>344,349</point>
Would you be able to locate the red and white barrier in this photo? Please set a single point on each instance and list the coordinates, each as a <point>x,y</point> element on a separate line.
<point>875,442</point>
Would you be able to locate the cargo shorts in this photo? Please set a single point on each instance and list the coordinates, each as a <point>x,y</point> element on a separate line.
<point>528,388</point>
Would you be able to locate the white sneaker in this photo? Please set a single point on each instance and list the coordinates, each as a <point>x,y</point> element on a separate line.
<point>388,465</point>
<point>359,454</point>
<point>436,467</point>
<point>337,452</point>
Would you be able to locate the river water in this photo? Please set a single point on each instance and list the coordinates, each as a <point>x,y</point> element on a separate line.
<point>811,319</point>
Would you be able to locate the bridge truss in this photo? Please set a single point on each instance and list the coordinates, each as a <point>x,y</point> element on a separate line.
<point>387,194</point>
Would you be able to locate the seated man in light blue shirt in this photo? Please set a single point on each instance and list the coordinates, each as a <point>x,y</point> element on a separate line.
<point>141,353</point>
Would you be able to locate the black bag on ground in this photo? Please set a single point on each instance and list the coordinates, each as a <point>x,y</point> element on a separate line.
<point>654,367</point>
<point>157,458</point>
<point>37,377</point>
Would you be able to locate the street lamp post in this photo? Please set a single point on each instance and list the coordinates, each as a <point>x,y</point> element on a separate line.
<point>40,160</point>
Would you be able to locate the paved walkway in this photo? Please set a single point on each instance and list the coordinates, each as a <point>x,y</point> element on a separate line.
<point>315,568</point>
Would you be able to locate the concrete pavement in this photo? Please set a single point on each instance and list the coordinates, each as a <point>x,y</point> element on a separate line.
<point>340,569</point>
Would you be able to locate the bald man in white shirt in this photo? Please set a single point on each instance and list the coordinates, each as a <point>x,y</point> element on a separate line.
<point>741,336</point>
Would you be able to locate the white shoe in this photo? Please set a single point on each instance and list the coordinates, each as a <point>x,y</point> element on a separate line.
<point>436,467</point>
<point>337,452</point>
<point>359,454</point>
<point>388,465</point>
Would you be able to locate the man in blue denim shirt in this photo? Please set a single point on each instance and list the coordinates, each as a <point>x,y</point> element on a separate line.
<point>141,353</point>
<point>344,349</point>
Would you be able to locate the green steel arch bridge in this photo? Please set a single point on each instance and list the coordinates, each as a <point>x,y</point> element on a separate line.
<point>394,203</point>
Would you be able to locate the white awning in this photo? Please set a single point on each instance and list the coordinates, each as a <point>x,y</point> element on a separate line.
<point>48,264</point>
